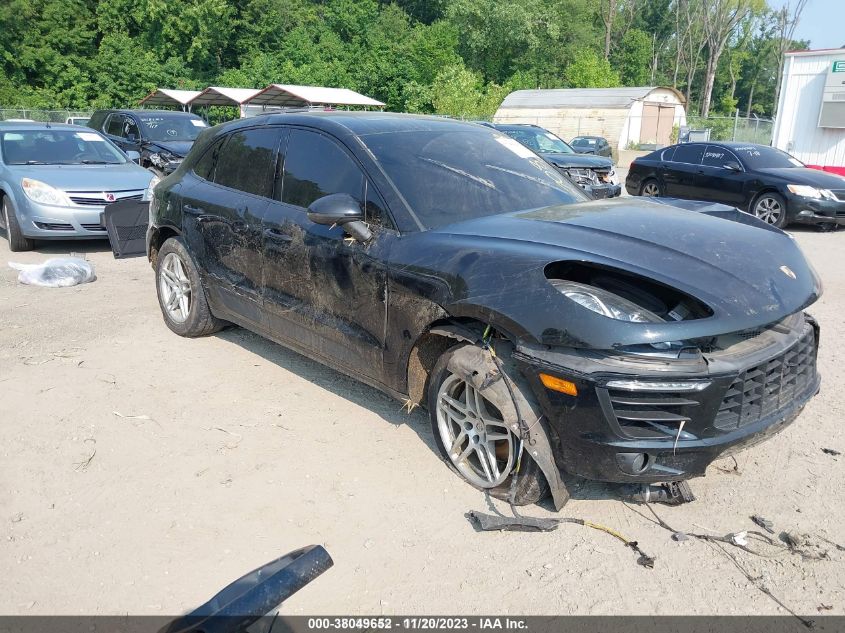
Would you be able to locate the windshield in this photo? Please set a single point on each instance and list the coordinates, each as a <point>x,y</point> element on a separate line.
<point>762,157</point>
<point>583,141</point>
<point>58,147</point>
<point>540,141</point>
<point>170,128</point>
<point>448,176</point>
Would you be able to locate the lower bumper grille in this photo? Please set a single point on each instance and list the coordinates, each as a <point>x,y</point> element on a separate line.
<point>93,227</point>
<point>53,226</point>
<point>768,387</point>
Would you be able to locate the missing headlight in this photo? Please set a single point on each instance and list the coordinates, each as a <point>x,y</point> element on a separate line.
<point>668,304</point>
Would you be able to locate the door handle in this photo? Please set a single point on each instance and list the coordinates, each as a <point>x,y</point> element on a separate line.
<point>277,236</point>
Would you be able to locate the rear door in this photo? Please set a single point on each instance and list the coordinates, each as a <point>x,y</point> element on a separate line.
<point>114,129</point>
<point>323,292</point>
<point>222,212</point>
<point>679,175</point>
<point>717,183</point>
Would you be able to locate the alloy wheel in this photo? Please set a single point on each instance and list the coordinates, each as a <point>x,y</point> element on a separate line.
<point>475,435</point>
<point>651,190</point>
<point>175,288</point>
<point>768,209</point>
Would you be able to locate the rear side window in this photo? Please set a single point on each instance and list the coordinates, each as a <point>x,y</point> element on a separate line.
<point>204,167</point>
<point>315,166</point>
<point>247,159</point>
<point>717,156</point>
<point>690,154</point>
<point>114,126</point>
<point>667,154</point>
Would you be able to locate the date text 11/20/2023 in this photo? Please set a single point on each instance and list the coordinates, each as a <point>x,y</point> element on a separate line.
<point>417,623</point>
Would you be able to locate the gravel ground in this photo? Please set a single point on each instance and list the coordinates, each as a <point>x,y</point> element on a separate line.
<point>141,472</point>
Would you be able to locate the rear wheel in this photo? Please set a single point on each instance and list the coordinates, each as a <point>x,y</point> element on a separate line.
<point>650,188</point>
<point>474,423</point>
<point>17,241</point>
<point>180,292</point>
<point>771,208</point>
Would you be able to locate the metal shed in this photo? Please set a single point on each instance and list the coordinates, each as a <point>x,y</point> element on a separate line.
<point>287,95</point>
<point>218,96</point>
<point>169,97</point>
<point>810,123</point>
<point>642,116</point>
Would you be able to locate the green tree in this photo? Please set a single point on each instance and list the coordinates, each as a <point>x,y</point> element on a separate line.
<point>590,70</point>
<point>633,58</point>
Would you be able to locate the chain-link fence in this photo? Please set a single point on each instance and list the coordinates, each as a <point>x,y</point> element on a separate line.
<point>736,128</point>
<point>51,116</point>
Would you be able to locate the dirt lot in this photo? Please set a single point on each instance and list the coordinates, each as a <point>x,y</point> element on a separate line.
<point>141,472</point>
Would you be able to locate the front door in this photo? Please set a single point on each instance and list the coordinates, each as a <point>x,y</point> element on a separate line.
<point>715,181</point>
<point>324,292</point>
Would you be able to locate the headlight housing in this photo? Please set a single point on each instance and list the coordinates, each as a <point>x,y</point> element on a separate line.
<point>148,192</point>
<point>43,193</point>
<point>811,192</point>
<point>605,303</point>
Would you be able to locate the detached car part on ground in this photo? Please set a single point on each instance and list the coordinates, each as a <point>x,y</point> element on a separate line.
<point>439,261</point>
<point>764,181</point>
<point>56,179</point>
<point>162,137</point>
<point>594,174</point>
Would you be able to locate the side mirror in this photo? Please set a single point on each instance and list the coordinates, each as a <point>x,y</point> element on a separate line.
<point>733,166</point>
<point>134,156</point>
<point>340,209</point>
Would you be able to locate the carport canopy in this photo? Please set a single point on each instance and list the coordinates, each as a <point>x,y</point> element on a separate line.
<point>217,96</point>
<point>168,97</point>
<point>304,96</point>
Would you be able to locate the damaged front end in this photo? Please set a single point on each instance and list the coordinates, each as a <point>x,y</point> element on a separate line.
<point>651,415</point>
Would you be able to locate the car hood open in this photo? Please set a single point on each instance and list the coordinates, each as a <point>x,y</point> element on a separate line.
<point>748,274</point>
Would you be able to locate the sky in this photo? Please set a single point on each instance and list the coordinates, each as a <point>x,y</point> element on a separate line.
<point>821,22</point>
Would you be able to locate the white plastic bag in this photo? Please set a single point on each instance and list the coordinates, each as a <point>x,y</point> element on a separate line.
<point>58,272</point>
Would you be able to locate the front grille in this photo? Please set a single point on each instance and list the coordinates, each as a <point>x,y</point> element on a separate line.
<point>653,415</point>
<point>768,387</point>
<point>98,199</point>
<point>53,226</point>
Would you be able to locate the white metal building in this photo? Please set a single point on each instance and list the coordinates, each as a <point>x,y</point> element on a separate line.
<point>624,116</point>
<point>810,123</point>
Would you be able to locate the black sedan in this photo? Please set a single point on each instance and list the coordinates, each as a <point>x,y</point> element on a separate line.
<point>594,174</point>
<point>445,264</point>
<point>759,179</point>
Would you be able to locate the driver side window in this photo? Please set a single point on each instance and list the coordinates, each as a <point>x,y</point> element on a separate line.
<point>130,129</point>
<point>316,166</point>
<point>114,126</point>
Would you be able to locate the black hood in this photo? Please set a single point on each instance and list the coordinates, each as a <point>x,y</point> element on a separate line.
<point>578,160</point>
<point>807,176</point>
<point>747,273</point>
<point>177,148</point>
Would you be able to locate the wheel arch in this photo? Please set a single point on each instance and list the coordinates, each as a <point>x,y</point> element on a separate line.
<point>158,236</point>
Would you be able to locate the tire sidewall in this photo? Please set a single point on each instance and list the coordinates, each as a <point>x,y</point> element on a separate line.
<point>781,222</point>
<point>17,241</point>
<point>192,324</point>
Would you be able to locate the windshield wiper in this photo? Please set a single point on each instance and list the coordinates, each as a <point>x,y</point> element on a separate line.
<point>96,162</point>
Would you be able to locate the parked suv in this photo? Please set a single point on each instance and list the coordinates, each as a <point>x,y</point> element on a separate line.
<point>594,174</point>
<point>449,266</point>
<point>162,137</point>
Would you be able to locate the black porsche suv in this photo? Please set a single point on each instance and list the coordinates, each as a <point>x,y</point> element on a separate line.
<point>620,340</point>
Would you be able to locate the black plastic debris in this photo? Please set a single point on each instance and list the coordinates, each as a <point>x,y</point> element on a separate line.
<point>493,523</point>
<point>763,523</point>
<point>830,451</point>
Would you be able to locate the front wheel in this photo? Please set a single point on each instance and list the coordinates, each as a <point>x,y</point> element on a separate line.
<point>17,241</point>
<point>771,208</point>
<point>180,292</point>
<point>474,419</point>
